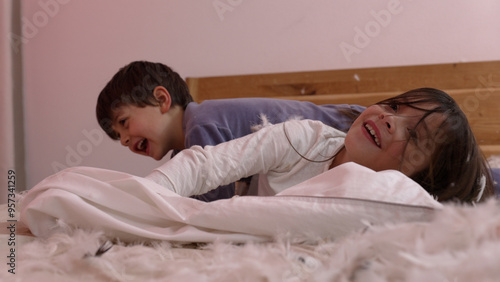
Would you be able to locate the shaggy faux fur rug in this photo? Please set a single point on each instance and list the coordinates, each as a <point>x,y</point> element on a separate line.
<point>460,244</point>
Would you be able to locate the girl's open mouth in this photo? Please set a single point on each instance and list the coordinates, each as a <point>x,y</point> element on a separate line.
<point>372,133</point>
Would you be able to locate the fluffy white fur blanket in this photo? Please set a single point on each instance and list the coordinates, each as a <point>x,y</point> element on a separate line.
<point>460,244</point>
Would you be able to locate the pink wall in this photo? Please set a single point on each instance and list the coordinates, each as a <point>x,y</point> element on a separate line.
<point>73,47</point>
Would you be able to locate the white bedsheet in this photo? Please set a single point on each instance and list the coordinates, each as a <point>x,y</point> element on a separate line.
<point>132,208</point>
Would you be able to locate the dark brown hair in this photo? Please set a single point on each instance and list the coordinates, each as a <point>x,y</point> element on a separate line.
<point>457,171</point>
<point>133,84</point>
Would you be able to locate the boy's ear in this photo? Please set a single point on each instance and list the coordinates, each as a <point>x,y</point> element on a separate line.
<point>163,97</point>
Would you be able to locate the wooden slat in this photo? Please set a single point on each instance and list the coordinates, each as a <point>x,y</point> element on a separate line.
<point>490,150</point>
<point>365,80</point>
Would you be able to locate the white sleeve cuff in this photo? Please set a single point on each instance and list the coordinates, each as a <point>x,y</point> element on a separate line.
<point>161,179</point>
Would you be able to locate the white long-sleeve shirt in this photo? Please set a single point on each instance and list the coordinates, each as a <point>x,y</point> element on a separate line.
<point>268,151</point>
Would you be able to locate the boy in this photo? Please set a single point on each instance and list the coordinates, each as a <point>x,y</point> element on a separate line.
<point>148,107</point>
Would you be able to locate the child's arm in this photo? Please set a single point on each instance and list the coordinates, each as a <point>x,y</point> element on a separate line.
<point>198,170</point>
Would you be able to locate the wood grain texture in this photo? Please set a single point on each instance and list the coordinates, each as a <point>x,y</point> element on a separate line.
<point>475,86</point>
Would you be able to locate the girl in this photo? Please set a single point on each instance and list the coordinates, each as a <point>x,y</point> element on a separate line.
<point>422,133</point>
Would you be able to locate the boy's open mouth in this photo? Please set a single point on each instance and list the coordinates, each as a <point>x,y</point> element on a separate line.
<point>142,145</point>
<point>373,134</point>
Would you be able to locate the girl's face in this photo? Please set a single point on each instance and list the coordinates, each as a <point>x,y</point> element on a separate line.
<point>387,137</point>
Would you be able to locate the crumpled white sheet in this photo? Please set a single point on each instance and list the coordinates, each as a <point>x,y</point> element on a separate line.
<point>132,208</point>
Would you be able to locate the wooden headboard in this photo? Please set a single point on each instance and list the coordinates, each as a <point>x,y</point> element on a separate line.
<point>475,86</point>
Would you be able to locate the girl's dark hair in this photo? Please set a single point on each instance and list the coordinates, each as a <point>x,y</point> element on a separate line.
<point>133,84</point>
<point>457,171</point>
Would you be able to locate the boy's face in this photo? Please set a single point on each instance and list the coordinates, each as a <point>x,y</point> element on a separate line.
<point>144,130</point>
<point>387,137</point>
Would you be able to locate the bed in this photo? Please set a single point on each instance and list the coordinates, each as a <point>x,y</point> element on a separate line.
<point>318,236</point>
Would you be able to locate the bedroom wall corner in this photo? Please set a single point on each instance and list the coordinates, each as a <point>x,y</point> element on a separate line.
<point>11,102</point>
